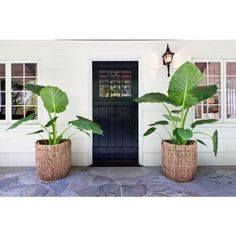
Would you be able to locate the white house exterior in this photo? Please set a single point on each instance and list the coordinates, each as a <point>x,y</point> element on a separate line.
<point>68,65</point>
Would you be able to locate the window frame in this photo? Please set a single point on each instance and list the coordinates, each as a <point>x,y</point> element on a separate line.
<point>8,119</point>
<point>223,62</point>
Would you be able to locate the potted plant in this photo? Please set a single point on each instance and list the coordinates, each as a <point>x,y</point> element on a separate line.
<point>179,157</point>
<point>53,155</point>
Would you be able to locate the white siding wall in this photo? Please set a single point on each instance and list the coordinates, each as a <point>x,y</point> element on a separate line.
<point>68,65</point>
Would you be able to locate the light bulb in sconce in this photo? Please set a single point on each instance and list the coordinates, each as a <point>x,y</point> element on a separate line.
<point>167,59</point>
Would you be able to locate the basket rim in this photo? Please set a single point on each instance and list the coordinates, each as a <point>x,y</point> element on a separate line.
<point>63,141</point>
<point>168,141</point>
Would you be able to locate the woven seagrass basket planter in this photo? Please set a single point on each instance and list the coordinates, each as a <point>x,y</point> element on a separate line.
<point>179,162</point>
<point>53,161</point>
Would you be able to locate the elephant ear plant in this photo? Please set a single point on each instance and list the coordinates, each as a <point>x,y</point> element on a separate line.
<point>53,155</point>
<point>184,92</point>
<point>55,101</point>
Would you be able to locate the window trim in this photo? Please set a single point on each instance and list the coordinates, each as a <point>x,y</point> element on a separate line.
<point>223,61</point>
<point>8,121</point>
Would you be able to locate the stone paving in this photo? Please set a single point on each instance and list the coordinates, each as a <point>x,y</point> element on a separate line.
<point>116,182</point>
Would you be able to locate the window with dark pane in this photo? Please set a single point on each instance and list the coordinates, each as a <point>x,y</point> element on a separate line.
<point>23,102</point>
<point>2,91</point>
<point>211,108</point>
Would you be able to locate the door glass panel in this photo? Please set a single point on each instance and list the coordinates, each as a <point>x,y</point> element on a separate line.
<point>115,88</point>
<point>103,83</point>
<point>115,83</point>
<point>126,89</point>
<point>115,77</point>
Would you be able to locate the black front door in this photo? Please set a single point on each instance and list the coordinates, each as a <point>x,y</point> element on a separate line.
<point>115,85</point>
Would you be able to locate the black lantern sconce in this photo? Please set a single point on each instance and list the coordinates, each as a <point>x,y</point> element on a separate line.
<point>167,59</point>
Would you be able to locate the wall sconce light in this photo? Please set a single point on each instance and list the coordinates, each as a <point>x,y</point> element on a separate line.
<point>167,59</point>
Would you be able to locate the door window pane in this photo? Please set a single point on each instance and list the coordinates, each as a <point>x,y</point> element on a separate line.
<point>115,88</point>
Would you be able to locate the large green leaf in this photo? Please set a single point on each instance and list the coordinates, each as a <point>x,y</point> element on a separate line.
<point>153,98</point>
<point>201,122</point>
<point>34,88</point>
<point>160,122</point>
<point>206,91</point>
<point>172,118</point>
<point>185,134</point>
<point>215,142</point>
<point>86,125</point>
<point>183,84</point>
<point>149,131</point>
<point>50,122</point>
<point>54,99</point>
<point>21,121</point>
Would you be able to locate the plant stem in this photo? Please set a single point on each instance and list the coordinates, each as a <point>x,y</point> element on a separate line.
<point>54,130</point>
<point>183,105</point>
<point>167,131</point>
<point>172,122</point>
<point>73,134</point>
<point>66,129</point>
<point>185,116</point>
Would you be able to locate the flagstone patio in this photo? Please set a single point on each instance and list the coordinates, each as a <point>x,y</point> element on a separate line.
<point>117,181</point>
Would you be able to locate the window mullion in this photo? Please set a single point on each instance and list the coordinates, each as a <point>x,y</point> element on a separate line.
<point>8,92</point>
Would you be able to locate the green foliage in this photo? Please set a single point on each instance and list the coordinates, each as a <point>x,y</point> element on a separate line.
<point>215,142</point>
<point>34,88</point>
<point>86,125</point>
<point>149,131</point>
<point>55,101</point>
<point>201,122</point>
<point>21,121</point>
<point>161,122</point>
<point>183,93</point>
<point>172,117</point>
<point>153,97</point>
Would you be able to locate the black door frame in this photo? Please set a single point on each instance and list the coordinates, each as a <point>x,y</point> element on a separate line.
<point>118,64</point>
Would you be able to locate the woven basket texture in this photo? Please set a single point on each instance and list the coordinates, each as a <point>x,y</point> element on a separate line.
<point>53,161</point>
<point>179,162</point>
